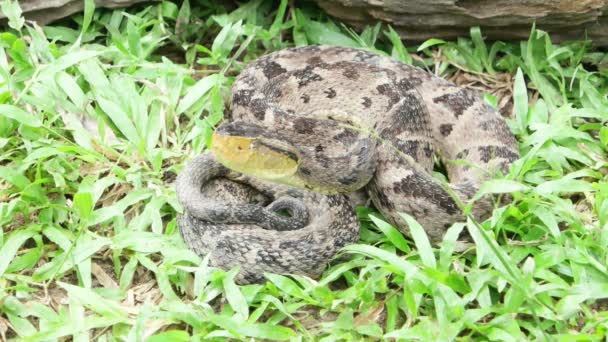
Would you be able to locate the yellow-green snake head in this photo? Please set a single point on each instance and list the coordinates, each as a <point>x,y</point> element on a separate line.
<point>255,155</point>
<point>320,163</point>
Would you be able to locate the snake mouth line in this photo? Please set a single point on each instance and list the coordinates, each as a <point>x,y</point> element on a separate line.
<point>288,154</point>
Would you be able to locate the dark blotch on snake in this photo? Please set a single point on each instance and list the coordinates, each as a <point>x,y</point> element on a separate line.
<point>446,129</point>
<point>457,102</point>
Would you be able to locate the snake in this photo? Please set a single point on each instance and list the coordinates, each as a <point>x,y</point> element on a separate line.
<point>308,127</point>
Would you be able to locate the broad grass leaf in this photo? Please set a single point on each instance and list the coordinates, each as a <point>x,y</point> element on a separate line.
<point>150,217</point>
<point>463,55</point>
<point>288,286</point>
<point>564,50</point>
<point>13,12</point>
<point>281,307</point>
<point>140,241</point>
<point>117,209</point>
<point>535,57</point>
<point>120,118</point>
<point>451,281</point>
<point>425,330</point>
<point>345,321</point>
<point>183,16</point>
<point>83,202</point>
<point>393,235</point>
<point>514,298</point>
<point>12,244</point>
<point>604,137</point>
<point>481,51</point>
<point>77,316</point>
<point>225,39</point>
<point>89,9</point>
<point>59,236</point>
<point>234,296</point>
<point>22,327</point>
<point>258,312</point>
<point>539,112</point>
<point>68,60</point>
<point>164,284</point>
<point>564,185</point>
<point>421,240</point>
<point>81,136</point>
<point>390,260</point>
<point>127,273</point>
<point>154,128</point>
<point>133,101</point>
<point>60,34</point>
<point>299,37</point>
<point>548,218</point>
<point>240,328</point>
<point>84,273</point>
<point>448,245</point>
<point>25,261</point>
<point>392,313</point>
<point>14,177</point>
<point>170,336</point>
<point>398,51</point>
<point>70,87</point>
<point>197,91</point>
<point>4,64</point>
<point>430,42</point>
<point>337,271</point>
<point>601,205</point>
<point>569,305</point>
<point>40,154</point>
<point>94,301</point>
<point>322,33</point>
<point>95,75</point>
<point>498,186</point>
<point>520,101</point>
<point>19,115</point>
<point>100,185</point>
<point>86,246</point>
<point>277,24</point>
<point>491,100</point>
<point>169,10</point>
<point>54,330</point>
<point>216,115</point>
<point>371,329</point>
<point>411,299</point>
<point>488,249</point>
<point>368,37</point>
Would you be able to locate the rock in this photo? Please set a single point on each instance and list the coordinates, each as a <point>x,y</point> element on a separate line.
<point>46,11</point>
<point>417,20</point>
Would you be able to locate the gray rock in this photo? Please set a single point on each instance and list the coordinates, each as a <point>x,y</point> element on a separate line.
<point>418,20</point>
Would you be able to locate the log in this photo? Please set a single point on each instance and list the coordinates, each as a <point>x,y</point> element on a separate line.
<point>418,20</point>
<point>46,11</point>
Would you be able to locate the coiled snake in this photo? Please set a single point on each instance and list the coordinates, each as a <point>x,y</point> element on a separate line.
<point>311,124</point>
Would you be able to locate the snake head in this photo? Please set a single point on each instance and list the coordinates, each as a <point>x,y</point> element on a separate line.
<point>254,151</point>
<point>309,153</point>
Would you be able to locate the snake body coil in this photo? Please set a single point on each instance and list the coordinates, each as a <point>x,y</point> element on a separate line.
<point>233,227</point>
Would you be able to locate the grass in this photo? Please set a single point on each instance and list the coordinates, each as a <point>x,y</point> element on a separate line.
<point>98,113</point>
